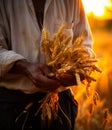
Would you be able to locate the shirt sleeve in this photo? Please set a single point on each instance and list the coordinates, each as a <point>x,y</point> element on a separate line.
<point>7,57</point>
<point>81,25</point>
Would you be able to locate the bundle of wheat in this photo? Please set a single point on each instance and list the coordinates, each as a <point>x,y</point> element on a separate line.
<point>65,56</point>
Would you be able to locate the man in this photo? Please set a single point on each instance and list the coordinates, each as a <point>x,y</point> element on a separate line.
<point>24,77</point>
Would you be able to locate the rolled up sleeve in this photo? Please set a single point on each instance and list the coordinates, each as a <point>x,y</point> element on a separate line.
<point>7,57</point>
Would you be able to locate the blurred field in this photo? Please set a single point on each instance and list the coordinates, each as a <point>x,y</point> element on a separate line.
<point>95,112</point>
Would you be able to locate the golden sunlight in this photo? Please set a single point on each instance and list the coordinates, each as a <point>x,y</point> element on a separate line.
<point>98,8</point>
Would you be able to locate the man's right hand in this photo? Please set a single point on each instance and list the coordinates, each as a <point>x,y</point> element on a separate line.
<point>38,73</point>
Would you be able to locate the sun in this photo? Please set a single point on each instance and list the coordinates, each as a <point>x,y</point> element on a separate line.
<point>95,7</point>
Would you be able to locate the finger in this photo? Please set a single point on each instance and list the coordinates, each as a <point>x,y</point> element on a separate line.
<point>64,76</point>
<point>47,84</point>
<point>66,79</point>
<point>46,70</point>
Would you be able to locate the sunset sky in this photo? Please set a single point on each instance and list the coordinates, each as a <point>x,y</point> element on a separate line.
<point>98,8</point>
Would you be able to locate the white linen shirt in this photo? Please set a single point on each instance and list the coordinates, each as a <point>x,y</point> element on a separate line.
<point>20,36</point>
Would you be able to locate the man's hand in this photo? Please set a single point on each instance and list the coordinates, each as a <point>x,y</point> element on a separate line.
<point>39,74</point>
<point>67,79</point>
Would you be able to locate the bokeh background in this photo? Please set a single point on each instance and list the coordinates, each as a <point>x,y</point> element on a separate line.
<point>95,111</point>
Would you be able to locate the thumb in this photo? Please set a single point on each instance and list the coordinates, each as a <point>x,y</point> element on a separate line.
<point>51,75</point>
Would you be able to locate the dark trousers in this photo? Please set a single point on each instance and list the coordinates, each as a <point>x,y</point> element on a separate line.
<point>12,103</point>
